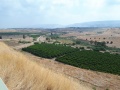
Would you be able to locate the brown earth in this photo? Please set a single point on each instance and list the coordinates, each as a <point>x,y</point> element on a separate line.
<point>19,73</point>
<point>93,79</point>
<point>107,35</point>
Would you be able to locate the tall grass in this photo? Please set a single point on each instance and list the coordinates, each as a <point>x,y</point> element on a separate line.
<point>19,73</point>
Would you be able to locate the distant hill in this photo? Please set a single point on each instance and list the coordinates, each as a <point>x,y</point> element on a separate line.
<point>96,24</point>
<point>93,24</point>
<point>47,26</point>
<point>115,23</point>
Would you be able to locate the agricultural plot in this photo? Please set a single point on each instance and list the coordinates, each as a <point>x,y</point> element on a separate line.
<point>92,60</point>
<point>49,50</point>
<point>103,62</point>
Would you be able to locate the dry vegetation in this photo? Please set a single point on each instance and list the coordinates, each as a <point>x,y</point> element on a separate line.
<point>107,35</point>
<point>19,73</point>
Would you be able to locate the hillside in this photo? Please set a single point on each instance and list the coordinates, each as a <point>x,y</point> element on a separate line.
<point>110,24</point>
<point>19,73</point>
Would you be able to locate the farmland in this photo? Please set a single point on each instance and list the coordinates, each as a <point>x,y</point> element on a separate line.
<point>97,61</point>
<point>49,50</point>
<point>92,60</point>
<point>88,69</point>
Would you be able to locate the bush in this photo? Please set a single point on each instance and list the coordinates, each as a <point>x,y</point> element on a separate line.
<point>24,42</point>
<point>36,43</point>
<point>88,47</point>
<point>82,48</point>
<point>0,37</point>
<point>98,49</point>
<point>78,42</point>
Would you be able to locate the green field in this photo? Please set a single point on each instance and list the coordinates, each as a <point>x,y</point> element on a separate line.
<point>92,60</point>
<point>97,61</point>
<point>49,50</point>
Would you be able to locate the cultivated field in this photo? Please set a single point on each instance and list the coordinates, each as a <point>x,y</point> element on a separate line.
<point>95,80</point>
<point>77,39</point>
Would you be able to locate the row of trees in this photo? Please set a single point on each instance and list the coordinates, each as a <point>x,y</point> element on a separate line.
<point>11,38</point>
<point>0,37</point>
<point>97,61</point>
<point>49,50</point>
<point>92,60</point>
<point>101,43</point>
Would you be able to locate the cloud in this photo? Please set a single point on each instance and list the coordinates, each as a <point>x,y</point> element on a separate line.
<point>30,12</point>
<point>94,4</point>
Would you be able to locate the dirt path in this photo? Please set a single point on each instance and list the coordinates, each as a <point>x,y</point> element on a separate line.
<point>23,46</point>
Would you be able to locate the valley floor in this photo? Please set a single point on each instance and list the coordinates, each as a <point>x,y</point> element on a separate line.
<point>92,79</point>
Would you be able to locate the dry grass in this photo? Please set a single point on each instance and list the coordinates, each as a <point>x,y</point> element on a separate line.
<point>19,73</point>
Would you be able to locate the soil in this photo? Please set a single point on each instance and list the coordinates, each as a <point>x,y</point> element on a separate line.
<point>107,35</point>
<point>93,79</point>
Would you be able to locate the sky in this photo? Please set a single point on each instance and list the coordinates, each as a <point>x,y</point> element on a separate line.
<point>25,13</point>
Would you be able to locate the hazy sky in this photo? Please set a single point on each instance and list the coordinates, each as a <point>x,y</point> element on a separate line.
<point>19,13</point>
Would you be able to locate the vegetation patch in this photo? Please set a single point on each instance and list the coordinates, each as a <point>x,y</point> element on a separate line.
<point>24,42</point>
<point>49,50</point>
<point>34,36</point>
<point>78,57</point>
<point>54,36</point>
<point>97,61</point>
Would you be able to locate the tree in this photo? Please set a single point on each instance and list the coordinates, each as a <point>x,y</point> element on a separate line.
<point>73,43</point>
<point>51,33</point>
<point>78,41</point>
<point>95,42</point>
<point>107,42</point>
<point>24,36</point>
<point>91,42</point>
<point>100,43</point>
<point>111,42</point>
<point>0,37</point>
<point>82,48</point>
